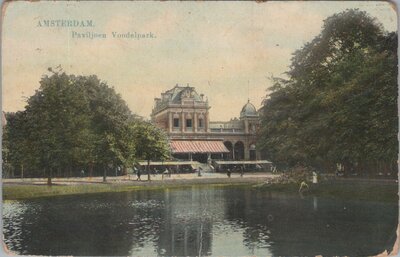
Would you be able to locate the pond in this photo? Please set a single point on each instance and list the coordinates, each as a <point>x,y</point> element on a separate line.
<point>198,221</point>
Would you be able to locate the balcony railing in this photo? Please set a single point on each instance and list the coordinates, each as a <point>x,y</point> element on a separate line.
<point>227,130</point>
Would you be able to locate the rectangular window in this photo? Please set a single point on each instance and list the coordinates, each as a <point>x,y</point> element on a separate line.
<point>176,122</point>
<point>200,123</point>
<point>188,123</point>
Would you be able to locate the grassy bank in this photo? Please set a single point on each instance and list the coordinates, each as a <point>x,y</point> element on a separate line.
<point>20,192</point>
<point>357,191</point>
<point>354,191</point>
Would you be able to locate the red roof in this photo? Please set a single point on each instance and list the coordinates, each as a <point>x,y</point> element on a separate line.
<point>198,147</point>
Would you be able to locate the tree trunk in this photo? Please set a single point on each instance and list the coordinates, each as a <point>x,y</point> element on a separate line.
<point>90,169</point>
<point>148,170</point>
<point>105,174</point>
<point>22,171</point>
<point>49,182</point>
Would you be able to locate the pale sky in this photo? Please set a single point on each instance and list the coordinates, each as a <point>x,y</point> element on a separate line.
<point>227,50</point>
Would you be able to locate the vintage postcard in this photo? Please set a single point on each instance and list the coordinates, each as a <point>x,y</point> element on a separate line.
<point>199,128</point>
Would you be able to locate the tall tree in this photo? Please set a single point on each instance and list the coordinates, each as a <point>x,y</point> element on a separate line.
<point>58,123</point>
<point>123,144</point>
<point>110,118</point>
<point>339,103</point>
<point>152,143</point>
<point>71,121</point>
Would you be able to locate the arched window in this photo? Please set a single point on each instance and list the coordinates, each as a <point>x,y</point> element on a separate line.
<point>176,120</point>
<point>239,150</point>
<point>252,152</point>
<point>189,122</point>
<point>200,122</point>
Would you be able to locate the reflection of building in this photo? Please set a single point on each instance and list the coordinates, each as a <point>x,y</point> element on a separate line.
<point>188,222</point>
<point>183,114</point>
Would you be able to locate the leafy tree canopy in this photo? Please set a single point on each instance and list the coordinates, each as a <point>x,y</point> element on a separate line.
<point>152,143</point>
<point>339,102</point>
<point>78,122</point>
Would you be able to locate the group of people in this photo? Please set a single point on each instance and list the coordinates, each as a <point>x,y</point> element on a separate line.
<point>167,172</point>
<point>241,172</point>
<point>138,172</point>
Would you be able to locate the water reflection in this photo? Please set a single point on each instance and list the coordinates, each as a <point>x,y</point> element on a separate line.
<point>188,222</point>
<point>310,226</point>
<point>196,222</point>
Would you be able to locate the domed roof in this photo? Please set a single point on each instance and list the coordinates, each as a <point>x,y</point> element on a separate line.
<point>248,110</point>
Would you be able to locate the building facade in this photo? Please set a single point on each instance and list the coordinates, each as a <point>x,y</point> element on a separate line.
<point>184,115</point>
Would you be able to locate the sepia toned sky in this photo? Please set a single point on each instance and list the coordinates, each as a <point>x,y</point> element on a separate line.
<point>227,50</point>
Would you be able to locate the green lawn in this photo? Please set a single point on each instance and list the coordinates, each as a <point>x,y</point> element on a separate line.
<point>348,190</point>
<point>15,192</point>
<point>356,191</point>
<point>19,192</point>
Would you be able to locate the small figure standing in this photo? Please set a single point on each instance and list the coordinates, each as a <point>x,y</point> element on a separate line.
<point>199,172</point>
<point>166,173</point>
<point>82,173</point>
<point>315,178</point>
<point>138,173</point>
<point>228,173</point>
<point>241,171</point>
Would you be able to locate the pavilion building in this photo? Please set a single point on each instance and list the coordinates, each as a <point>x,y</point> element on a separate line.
<point>184,115</point>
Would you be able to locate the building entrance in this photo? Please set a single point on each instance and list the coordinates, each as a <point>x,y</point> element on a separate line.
<point>200,157</point>
<point>253,155</point>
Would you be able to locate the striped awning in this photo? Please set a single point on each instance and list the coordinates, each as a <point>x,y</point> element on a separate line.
<point>242,162</point>
<point>180,146</point>
<point>169,163</point>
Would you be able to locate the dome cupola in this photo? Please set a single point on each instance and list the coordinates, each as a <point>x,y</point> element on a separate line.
<point>248,110</point>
